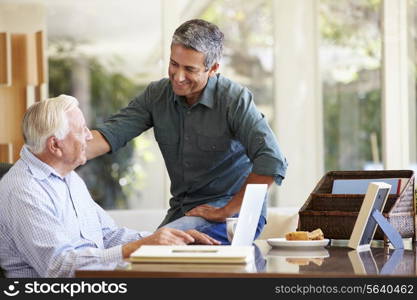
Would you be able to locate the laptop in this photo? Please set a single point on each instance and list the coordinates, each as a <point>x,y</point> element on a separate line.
<point>240,251</point>
<point>250,211</point>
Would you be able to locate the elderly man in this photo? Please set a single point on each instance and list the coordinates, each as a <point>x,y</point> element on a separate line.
<point>50,225</point>
<point>213,139</point>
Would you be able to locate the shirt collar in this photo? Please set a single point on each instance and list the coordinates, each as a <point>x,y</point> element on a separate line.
<point>38,168</point>
<point>206,97</point>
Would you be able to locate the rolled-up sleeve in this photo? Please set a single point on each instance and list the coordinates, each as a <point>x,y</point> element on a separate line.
<point>252,130</point>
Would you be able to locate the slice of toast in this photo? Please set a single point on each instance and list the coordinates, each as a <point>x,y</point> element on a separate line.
<point>297,236</point>
<point>305,235</point>
<point>316,235</point>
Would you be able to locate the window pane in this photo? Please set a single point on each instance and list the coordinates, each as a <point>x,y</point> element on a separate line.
<point>104,59</point>
<point>350,59</point>
<point>248,52</point>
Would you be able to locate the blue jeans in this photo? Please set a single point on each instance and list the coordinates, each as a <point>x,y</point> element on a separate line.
<point>214,229</point>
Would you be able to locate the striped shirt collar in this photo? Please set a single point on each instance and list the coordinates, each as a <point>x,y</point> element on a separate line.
<point>38,168</point>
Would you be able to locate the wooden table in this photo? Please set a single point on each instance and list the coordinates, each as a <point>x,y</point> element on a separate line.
<point>333,261</point>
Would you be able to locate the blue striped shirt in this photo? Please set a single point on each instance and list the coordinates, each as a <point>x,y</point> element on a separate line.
<point>50,225</point>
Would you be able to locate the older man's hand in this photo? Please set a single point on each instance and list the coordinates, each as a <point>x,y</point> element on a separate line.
<point>202,238</point>
<point>169,236</point>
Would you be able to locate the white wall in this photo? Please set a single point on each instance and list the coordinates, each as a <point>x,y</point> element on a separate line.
<point>298,106</point>
<point>396,85</point>
<point>22,18</point>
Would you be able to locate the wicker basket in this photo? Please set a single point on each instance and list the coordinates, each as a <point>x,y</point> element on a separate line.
<point>336,214</point>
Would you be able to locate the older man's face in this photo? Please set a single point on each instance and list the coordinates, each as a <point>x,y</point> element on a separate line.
<point>75,143</point>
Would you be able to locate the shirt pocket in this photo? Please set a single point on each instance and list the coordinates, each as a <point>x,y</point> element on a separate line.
<point>213,144</point>
<point>215,152</point>
<point>168,143</point>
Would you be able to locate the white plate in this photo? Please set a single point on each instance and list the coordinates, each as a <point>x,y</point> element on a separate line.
<point>282,242</point>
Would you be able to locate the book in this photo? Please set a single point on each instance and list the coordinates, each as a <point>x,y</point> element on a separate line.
<point>360,186</point>
<point>193,254</point>
<point>194,267</point>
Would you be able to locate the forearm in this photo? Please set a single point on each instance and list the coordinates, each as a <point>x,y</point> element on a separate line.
<point>235,203</point>
<point>97,146</point>
<point>129,248</point>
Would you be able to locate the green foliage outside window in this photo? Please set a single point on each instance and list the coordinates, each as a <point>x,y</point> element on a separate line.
<point>111,178</point>
<point>351,104</point>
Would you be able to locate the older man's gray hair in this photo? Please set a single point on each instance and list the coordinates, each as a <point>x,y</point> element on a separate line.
<point>203,37</point>
<point>45,119</point>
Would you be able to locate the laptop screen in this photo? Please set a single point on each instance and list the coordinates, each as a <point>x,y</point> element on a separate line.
<point>250,211</point>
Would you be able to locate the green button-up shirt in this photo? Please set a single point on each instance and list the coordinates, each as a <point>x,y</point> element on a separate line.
<point>209,148</point>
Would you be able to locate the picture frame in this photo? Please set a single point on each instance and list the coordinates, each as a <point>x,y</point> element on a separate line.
<point>366,224</point>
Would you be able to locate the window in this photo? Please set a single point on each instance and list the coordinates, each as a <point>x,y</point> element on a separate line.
<point>248,54</point>
<point>104,59</point>
<point>350,60</point>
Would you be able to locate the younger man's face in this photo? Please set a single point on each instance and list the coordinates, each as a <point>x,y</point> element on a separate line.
<point>188,73</point>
